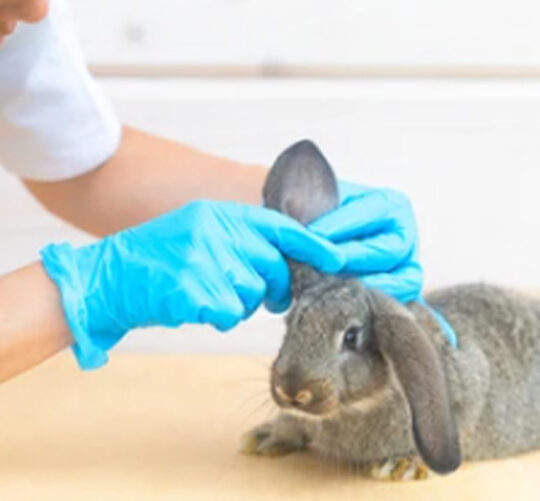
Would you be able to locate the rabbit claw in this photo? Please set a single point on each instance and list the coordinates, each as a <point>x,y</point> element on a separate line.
<point>404,468</point>
<point>262,441</point>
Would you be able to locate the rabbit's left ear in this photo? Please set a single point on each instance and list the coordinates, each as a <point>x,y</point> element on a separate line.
<point>419,371</point>
<point>301,183</point>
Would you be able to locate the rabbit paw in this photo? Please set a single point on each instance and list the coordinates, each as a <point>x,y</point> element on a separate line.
<point>264,441</point>
<point>405,468</point>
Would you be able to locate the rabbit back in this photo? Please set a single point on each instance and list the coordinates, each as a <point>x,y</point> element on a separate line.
<point>494,374</point>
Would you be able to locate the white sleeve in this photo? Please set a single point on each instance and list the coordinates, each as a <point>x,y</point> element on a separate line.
<point>54,121</point>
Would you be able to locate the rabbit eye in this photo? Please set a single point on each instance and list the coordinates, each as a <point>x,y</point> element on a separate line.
<point>350,338</point>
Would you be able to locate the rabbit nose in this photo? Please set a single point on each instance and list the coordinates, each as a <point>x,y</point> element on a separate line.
<point>301,390</point>
<point>292,389</point>
<point>302,398</point>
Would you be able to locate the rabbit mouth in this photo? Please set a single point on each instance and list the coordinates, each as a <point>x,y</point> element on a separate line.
<point>323,408</point>
<point>319,408</point>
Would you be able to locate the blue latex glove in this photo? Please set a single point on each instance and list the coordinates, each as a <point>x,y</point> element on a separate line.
<point>208,262</point>
<point>376,230</point>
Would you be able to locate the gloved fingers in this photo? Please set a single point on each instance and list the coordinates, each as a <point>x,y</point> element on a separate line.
<point>379,253</point>
<point>202,294</point>
<point>295,241</point>
<point>404,284</point>
<point>205,294</point>
<point>248,285</point>
<point>278,306</point>
<point>223,316</point>
<point>270,264</point>
<point>222,310</point>
<point>348,191</point>
<point>361,216</point>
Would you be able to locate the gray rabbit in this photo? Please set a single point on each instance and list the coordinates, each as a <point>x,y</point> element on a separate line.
<point>365,380</point>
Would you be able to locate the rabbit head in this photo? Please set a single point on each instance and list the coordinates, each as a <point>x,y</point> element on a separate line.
<point>345,343</point>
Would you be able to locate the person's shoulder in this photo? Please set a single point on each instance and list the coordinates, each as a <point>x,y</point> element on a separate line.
<point>69,127</point>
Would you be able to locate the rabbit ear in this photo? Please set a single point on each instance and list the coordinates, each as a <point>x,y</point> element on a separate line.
<point>419,371</point>
<point>301,183</point>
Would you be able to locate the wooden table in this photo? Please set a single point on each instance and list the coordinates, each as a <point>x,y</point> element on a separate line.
<point>167,427</point>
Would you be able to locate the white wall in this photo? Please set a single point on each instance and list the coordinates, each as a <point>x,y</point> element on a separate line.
<point>466,150</point>
<point>353,33</point>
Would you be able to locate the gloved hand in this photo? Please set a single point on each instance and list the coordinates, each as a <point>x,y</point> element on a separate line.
<point>208,262</point>
<point>376,229</point>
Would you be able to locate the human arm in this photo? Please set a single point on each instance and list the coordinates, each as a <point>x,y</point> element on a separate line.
<point>32,321</point>
<point>168,271</point>
<point>150,175</point>
<point>205,263</point>
<point>147,176</point>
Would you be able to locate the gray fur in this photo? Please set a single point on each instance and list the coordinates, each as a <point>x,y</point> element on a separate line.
<point>301,183</point>
<point>395,396</point>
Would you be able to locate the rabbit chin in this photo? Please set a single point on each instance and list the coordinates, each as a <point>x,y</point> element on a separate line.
<point>310,415</point>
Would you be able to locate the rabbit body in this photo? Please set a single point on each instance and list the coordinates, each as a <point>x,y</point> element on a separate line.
<point>493,379</point>
<point>494,374</point>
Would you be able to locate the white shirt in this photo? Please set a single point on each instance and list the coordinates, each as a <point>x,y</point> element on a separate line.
<point>54,121</point>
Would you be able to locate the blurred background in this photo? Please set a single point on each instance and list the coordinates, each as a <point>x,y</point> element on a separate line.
<point>438,99</point>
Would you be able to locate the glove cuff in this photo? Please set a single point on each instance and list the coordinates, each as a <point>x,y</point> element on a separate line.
<point>60,264</point>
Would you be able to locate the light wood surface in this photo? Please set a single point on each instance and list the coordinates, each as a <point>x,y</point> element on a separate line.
<point>163,428</point>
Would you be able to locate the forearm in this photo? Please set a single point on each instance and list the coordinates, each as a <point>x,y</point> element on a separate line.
<point>147,176</point>
<point>32,323</point>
